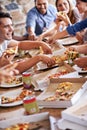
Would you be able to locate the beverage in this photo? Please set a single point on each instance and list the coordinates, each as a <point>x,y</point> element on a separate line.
<point>30,104</point>
<point>26,78</point>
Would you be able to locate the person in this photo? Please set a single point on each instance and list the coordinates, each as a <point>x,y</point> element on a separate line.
<point>39,18</point>
<point>82,49</point>
<point>79,48</point>
<point>82,7</point>
<point>70,15</point>
<point>71,11</point>
<point>72,30</point>
<point>6,41</point>
<point>7,72</point>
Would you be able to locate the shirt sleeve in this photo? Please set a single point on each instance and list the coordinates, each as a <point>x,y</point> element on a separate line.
<point>73,29</point>
<point>76,15</point>
<point>30,20</point>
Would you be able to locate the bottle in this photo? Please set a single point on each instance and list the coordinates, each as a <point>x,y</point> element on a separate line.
<point>26,79</point>
<point>30,104</point>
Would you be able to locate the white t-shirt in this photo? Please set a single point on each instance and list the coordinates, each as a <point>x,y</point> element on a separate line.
<point>3,47</point>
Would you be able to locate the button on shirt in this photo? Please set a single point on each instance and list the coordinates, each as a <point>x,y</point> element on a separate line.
<point>38,21</point>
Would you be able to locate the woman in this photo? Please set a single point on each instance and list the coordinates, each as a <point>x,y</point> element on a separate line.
<point>70,16</point>
<point>82,7</point>
<point>72,30</point>
<point>67,7</point>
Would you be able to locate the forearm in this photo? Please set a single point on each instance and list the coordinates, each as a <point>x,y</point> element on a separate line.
<point>27,63</point>
<point>60,35</point>
<point>50,31</point>
<point>82,49</point>
<point>3,62</point>
<point>27,45</point>
<point>30,30</point>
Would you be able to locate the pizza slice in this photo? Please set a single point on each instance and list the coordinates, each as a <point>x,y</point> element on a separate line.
<point>20,126</point>
<point>11,50</point>
<point>5,100</point>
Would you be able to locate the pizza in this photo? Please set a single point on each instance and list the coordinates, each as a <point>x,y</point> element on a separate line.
<point>57,74</point>
<point>51,98</point>
<point>57,59</point>
<point>65,85</point>
<point>20,126</point>
<point>62,93</point>
<point>23,94</point>
<point>13,80</point>
<point>84,69</point>
<point>71,55</point>
<point>39,125</point>
<point>41,50</point>
<point>5,100</point>
<point>11,50</point>
<point>60,13</point>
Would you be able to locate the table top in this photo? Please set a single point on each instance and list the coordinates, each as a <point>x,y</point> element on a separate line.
<point>8,112</point>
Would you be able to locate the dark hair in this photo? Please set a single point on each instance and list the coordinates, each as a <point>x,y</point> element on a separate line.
<point>56,2</point>
<point>5,15</point>
<point>84,0</point>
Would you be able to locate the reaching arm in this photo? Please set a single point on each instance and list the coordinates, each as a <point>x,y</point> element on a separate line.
<point>71,30</point>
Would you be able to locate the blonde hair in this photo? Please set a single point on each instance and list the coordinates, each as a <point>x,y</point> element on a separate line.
<point>70,14</point>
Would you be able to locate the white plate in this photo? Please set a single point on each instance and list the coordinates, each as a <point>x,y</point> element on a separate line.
<point>83,71</point>
<point>79,70</point>
<point>68,41</point>
<point>11,94</point>
<point>9,85</point>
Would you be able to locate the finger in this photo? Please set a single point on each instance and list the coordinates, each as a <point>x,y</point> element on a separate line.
<point>10,67</point>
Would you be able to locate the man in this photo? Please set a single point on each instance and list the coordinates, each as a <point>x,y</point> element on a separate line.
<point>39,18</point>
<point>6,31</point>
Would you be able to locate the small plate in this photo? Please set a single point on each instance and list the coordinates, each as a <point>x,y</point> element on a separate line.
<point>68,41</point>
<point>83,72</point>
<point>11,94</point>
<point>13,84</point>
<point>79,70</point>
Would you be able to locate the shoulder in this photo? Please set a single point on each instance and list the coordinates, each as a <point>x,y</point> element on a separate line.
<point>32,11</point>
<point>76,14</point>
<point>76,11</point>
<point>13,43</point>
<point>52,8</point>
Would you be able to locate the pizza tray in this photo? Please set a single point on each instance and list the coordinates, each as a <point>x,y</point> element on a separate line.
<point>78,112</point>
<point>42,119</point>
<point>79,85</point>
<point>41,81</point>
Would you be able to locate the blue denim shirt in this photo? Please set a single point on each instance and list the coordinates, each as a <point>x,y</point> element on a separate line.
<point>38,21</point>
<point>79,26</point>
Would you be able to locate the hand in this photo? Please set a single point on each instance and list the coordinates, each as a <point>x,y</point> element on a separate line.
<point>72,48</point>
<point>51,40</point>
<point>81,62</point>
<point>46,48</point>
<point>39,38</point>
<point>49,61</point>
<point>32,37</point>
<point>63,17</point>
<point>8,71</point>
<point>5,59</point>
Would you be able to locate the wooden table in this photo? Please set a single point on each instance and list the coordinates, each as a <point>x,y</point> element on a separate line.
<point>7,112</point>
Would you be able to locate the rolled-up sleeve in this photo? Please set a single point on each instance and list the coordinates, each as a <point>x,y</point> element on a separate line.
<point>73,29</point>
<point>30,20</point>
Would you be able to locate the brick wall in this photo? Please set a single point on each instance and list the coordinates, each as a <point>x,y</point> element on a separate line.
<point>19,13</point>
